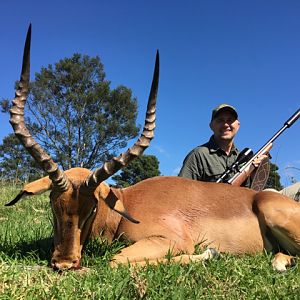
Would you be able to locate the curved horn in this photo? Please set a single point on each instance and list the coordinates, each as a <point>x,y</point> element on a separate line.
<point>111,167</point>
<point>17,121</point>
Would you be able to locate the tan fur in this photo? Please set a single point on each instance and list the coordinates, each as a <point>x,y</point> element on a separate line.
<point>175,214</point>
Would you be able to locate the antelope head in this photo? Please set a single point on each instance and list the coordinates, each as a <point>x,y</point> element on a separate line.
<point>77,194</point>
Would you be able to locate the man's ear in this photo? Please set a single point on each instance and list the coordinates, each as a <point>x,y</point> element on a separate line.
<point>114,202</point>
<point>33,188</point>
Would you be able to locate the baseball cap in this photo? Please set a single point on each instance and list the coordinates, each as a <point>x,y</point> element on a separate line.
<point>221,107</point>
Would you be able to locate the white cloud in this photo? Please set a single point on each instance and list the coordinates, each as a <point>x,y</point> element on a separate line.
<point>176,171</point>
<point>161,150</point>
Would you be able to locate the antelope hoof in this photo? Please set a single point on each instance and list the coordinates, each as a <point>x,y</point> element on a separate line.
<point>210,253</point>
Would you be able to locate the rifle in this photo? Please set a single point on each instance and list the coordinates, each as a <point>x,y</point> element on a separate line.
<point>245,171</point>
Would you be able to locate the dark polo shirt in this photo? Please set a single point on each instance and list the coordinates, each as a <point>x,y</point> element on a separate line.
<point>207,162</point>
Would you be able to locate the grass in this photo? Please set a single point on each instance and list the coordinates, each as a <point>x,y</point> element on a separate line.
<point>25,250</point>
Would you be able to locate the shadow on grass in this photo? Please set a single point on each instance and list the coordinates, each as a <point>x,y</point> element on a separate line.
<point>40,249</point>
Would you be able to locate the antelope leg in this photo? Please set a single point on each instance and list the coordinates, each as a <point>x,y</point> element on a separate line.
<point>281,261</point>
<point>154,250</point>
<point>281,217</point>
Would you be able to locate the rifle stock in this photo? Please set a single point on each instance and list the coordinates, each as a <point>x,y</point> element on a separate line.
<point>248,168</point>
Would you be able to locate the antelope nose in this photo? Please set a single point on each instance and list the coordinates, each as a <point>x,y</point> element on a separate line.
<point>65,264</point>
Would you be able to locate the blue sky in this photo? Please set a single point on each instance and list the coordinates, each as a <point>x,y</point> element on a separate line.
<point>245,53</point>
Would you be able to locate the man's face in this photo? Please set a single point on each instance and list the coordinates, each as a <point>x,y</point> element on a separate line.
<point>225,125</point>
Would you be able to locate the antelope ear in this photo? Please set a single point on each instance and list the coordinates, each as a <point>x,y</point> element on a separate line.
<point>33,188</point>
<point>114,202</point>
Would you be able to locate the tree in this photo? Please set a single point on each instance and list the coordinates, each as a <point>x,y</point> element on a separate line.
<point>274,178</point>
<point>15,163</point>
<point>74,114</point>
<point>5,105</point>
<point>145,166</point>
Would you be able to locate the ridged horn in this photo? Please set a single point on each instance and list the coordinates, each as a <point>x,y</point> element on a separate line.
<point>57,176</point>
<point>111,167</point>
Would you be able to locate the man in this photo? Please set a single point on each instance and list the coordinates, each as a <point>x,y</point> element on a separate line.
<point>209,161</point>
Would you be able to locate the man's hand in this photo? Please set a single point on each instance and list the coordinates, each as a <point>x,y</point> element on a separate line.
<point>257,160</point>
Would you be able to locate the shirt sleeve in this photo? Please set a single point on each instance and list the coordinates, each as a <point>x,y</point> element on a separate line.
<point>191,168</point>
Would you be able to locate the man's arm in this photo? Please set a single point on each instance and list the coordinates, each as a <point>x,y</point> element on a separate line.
<point>190,167</point>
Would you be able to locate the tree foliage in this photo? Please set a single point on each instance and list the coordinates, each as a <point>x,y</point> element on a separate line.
<point>74,114</point>
<point>5,105</point>
<point>143,167</point>
<point>274,178</point>
<point>15,163</point>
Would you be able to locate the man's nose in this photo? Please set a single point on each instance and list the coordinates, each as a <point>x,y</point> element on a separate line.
<point>226,124</point>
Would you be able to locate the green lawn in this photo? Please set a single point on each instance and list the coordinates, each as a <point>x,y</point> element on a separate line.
<point>25,249</point>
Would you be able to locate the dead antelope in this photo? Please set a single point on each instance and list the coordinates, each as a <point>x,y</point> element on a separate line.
<point>160,215</point>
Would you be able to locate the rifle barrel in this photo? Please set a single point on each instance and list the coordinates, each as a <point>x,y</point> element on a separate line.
<point>286,125</point>
<point>293,118</point>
